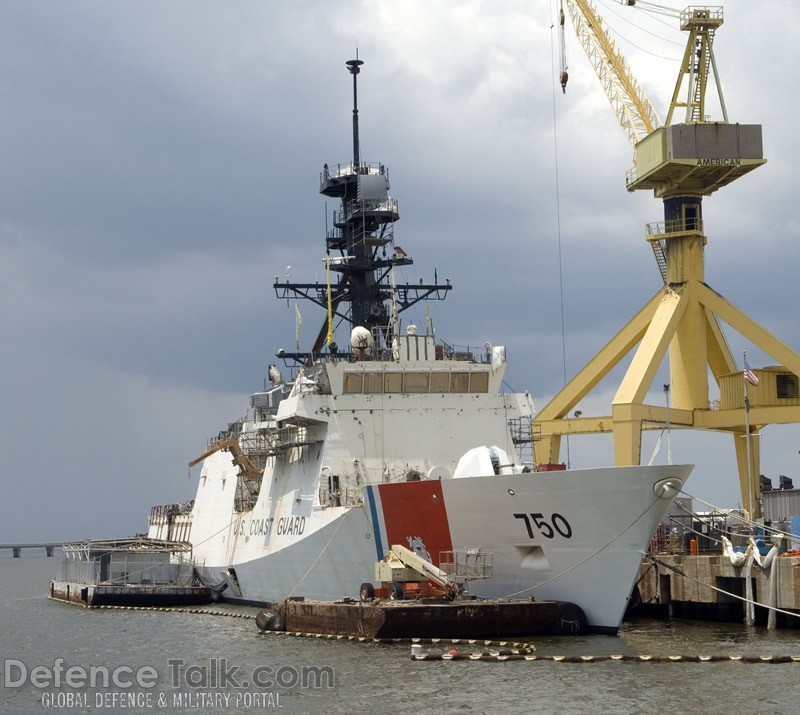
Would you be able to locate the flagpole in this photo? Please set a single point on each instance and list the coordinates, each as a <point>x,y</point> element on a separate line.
<point>747,438</point>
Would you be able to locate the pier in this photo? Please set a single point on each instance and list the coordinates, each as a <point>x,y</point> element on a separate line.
<point>16,549</point>
<point>710,588</point>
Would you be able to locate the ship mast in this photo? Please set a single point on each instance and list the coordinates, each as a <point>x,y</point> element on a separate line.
<point>363,236</point>
<point>353,66</point>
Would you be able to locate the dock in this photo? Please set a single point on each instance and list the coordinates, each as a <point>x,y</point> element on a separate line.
<point>710,588</point>
<point>429,618</point>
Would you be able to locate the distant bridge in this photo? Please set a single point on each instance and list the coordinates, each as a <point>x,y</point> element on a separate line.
<point>16,549</point>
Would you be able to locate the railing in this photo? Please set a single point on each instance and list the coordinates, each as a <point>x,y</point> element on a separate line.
<point>164,513</point>
<point>357,208</point>
<point>351,169</point>
<point>695,15</point>
<point>468,353</point>
<point>469,564</point>
<point>663,228</point>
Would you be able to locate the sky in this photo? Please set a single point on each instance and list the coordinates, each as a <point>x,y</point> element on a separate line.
<point>160,166</point>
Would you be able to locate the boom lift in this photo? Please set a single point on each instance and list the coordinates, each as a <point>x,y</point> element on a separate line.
<point>404,566</point>
<point>681,163</point>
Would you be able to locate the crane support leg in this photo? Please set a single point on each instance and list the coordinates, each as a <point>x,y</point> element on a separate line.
<point>653,347</point>
<point>749,328</point>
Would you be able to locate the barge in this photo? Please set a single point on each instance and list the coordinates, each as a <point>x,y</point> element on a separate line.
<point>128,572</point>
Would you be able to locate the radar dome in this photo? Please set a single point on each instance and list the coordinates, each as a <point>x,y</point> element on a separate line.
<point>360,338</point>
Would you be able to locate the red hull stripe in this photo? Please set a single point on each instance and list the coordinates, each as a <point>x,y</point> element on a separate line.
<point>415,516</point>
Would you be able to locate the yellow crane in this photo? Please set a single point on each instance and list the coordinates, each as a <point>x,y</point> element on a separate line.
<point>681,163</point>
<point>633,109</point>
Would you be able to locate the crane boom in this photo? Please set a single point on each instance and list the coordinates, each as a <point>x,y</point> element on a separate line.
<point>635,114</point>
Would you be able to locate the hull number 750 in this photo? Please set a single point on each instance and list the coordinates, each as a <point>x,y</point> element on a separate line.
<point>557,524</point>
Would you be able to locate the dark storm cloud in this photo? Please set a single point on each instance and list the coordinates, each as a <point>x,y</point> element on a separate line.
<point>161,165</point>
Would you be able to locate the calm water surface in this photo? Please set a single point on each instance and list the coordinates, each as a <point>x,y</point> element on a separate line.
<point>368,677</point>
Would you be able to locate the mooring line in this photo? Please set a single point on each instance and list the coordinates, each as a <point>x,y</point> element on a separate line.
<point>169,609</point>
<point>511,646</point>
<point>503,657</point>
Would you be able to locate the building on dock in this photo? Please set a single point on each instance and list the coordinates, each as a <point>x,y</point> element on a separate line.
<point>128,572</point>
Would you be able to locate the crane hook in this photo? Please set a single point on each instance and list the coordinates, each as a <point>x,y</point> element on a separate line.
<point>563,77</point>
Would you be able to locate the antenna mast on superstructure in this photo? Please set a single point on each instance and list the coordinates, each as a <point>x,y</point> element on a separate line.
<point>354,67</point>
<point>363,229</point>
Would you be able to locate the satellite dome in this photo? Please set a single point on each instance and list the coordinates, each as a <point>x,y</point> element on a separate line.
<point>361,338</point>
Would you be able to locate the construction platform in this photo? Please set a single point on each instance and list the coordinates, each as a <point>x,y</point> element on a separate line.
<point>427,618</point>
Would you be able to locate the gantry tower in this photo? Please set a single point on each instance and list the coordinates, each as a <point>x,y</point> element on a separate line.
<point>681,163</point>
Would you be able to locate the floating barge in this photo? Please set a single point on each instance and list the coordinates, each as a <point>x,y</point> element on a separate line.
<point>428,618</point>
<point>452,613</point>
<point>128,572</point>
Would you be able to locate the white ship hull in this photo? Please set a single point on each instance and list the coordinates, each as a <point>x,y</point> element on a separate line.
<point>576,536</point>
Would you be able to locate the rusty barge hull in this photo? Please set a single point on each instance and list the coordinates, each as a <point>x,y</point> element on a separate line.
<point>94,595</point>
<point>415,619</point>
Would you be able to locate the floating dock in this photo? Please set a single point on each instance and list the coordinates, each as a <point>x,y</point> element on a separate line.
<point>434,618</point>
<point>128,572</point>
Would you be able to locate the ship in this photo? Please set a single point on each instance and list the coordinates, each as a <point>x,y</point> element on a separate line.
<point>398,437</point>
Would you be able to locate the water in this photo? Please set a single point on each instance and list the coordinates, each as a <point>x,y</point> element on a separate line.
<point>369,677</point>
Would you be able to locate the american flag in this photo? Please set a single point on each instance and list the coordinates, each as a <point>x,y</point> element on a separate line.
<point>749,375</point>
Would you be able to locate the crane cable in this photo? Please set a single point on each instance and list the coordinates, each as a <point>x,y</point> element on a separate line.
<point>558,202</point>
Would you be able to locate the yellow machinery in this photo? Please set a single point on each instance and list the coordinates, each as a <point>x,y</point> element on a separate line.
<point>681,163</point>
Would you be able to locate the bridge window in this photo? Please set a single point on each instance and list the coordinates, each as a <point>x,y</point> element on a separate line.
<point>787,386</point>
<point>393,382</point>
<point>479,382</point>
<point>440,382</point>
<point>417,382</point>
<point>373,383</point>
<point>353,383</point>
<point>436,382</point>
<point>459,382</point>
